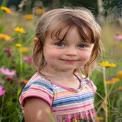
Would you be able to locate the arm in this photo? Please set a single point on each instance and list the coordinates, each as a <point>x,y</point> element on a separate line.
<point>36,110</point>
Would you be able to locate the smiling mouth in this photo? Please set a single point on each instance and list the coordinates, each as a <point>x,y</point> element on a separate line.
<point>69,60</point>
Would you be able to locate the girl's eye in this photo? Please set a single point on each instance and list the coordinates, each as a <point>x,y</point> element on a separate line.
<point>83,45</point>
<point>60,44</point>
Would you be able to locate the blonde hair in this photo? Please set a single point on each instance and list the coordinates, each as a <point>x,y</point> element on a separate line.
<point>54,21</point>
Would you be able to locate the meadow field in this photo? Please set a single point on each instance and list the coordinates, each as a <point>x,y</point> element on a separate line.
<point>16,65</point>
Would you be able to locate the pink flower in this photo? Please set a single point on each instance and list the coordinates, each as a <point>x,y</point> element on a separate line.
<point>7,72</point>
<point>2,91</point>
<point>28,60</point>
<point>118,37</point>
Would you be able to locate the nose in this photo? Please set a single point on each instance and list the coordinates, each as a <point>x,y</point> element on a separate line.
<point>71,51</point>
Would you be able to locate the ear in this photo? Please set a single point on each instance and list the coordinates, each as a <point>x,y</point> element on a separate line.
<point>35,40</point>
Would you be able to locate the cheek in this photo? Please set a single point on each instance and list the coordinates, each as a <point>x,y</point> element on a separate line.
<point>85,56</point>
<point>51,55</point>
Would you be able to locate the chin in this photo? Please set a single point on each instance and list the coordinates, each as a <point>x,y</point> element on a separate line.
<point>68,69</point>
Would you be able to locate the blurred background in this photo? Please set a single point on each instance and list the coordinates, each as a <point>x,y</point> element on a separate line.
<point>96,6</point>
<point>18,19</point>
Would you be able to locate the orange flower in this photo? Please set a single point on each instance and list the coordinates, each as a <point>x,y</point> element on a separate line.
<point>100,118</point>
<point>28,16</point>
<point>39,11</point>
<point>113,80</point>
<point>24,81</point>
<point>119,74</point>
<point>5,37</point>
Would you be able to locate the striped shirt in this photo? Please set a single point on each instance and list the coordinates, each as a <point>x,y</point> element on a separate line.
<point>67,104</point>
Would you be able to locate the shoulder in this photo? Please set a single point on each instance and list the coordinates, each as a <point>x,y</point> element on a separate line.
<point>91,84</point>
<point>87,81</point>
<point>38,87</point>
<point>37,81</point>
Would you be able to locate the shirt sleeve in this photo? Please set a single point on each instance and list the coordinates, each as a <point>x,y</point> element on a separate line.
<point>92,85</point>
<point>37,88</point>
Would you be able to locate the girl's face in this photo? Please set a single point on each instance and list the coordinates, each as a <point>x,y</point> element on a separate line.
<point>69,54</point>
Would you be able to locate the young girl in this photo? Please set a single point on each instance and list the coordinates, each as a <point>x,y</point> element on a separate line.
<point>67,46</point>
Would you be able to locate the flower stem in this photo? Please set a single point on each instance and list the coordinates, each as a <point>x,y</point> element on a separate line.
<point>106,94</point>
<point>21,67</point>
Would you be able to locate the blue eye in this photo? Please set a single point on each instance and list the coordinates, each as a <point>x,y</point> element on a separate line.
<point>60,44</point>
<point>82,45</point>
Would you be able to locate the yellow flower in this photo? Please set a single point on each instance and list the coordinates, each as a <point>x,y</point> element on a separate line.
<point>5,37</point>
<point>24,49</point>
<point>20,30</point>
<point>39,11</point>
<point>109,82</point>
<point>18,45</point>
<point>119,74</point>
<point>100,118</point>
<point>7,10</point>
<point>28,16</point>
<point>107,64</point>
<point>112,81</point>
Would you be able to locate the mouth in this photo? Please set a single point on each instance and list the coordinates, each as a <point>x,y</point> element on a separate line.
<point>69,60</point>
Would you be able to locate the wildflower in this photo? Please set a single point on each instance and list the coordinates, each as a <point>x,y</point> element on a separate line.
<point>4,37</point>
<point>18,45</point>
<point>2,91</point>
<point>29,60</point>
<point>20,30</point>
<point>39,11</point>
<point>100,118</point>
<point>107,64</point>
<point>28,16</point>
<point>109,82</point>
<point>5,9</point>
<point>7,72</point>
<point>112,81</point>
<point>9,51</point>
<point>24,49</point>
<point>24,81</point>
<point>10,79</point>
<point>119,74</point>
<point>118,37</point>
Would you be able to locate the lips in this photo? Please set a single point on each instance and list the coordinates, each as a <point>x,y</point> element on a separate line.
<point>69,60</point>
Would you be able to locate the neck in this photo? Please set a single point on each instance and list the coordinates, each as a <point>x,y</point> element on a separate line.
<point>64,78</point>
<point>57,74</point>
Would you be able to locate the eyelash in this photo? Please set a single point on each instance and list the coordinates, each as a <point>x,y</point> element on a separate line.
<point>61,44</point>
<point>82,45</point>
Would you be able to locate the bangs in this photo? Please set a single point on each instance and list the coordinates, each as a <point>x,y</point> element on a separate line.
<point>84,30</point>
<point>86,34</point>
<point>56,33</point>
<point>68,22</point>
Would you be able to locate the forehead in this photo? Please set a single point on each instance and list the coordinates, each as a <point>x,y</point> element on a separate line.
<point>62,32</point>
